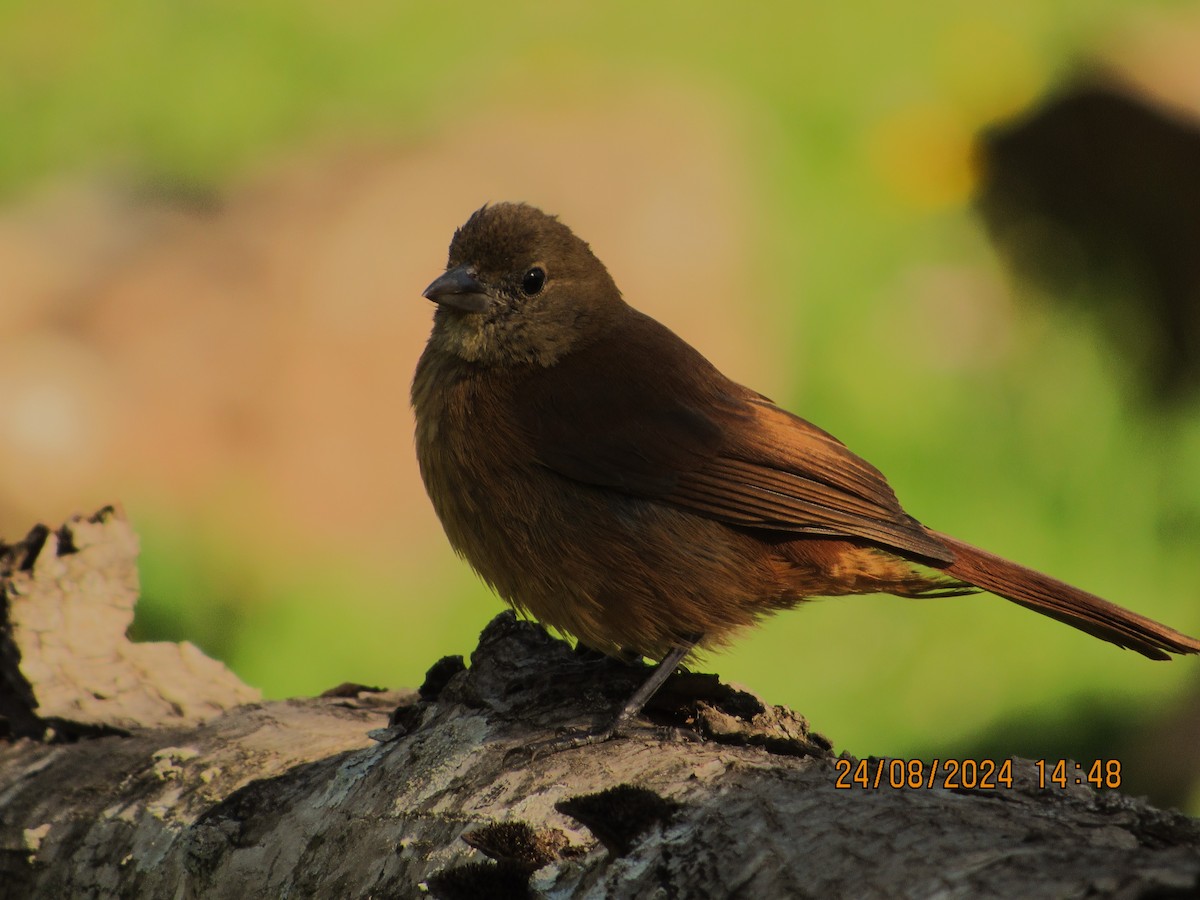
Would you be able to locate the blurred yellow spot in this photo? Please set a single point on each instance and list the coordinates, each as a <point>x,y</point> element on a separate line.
<point>983,72</point>
<point>923,153</point>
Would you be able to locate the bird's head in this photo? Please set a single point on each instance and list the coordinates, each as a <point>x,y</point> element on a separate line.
<point>519,288</point>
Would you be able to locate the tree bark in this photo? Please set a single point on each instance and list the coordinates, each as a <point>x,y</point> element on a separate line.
<point>171,782</point>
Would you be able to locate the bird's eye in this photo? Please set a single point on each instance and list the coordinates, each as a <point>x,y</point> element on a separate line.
<point>532,281</point>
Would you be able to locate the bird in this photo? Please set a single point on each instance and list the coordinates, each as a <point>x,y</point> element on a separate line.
<point>604,478</point>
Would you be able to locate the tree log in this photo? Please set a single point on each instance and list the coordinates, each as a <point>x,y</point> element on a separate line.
<point>131,771</point>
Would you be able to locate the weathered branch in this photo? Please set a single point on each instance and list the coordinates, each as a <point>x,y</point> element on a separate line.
<point>719,796</point>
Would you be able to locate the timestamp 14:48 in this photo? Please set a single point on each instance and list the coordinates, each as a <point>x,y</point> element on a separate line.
<point>1103,773</point>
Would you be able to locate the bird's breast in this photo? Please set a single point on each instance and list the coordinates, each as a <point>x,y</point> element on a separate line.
<point>477,465</point>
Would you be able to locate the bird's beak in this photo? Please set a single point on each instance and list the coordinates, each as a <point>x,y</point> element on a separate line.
<point>459,289</point>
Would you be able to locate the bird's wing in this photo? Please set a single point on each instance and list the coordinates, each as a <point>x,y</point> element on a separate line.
<point>665,425</point>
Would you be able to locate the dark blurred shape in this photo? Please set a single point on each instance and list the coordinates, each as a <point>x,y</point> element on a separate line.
<point>1154,743</point>
<point>1099,188</point>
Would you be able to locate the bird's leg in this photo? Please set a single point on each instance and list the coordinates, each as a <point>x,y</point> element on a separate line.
<point>634,705</point>
<point>628,711</point>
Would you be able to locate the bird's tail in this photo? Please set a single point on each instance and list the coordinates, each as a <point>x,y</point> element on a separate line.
<point>1059,600</point>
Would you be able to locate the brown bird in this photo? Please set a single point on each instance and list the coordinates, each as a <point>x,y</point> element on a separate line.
<point>602,476</point>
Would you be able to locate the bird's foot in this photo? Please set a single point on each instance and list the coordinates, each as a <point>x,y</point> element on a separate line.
<point>575,738</point>
<point>567,740</point>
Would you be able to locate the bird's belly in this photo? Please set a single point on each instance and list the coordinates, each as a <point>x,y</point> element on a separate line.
<point>617,572</point>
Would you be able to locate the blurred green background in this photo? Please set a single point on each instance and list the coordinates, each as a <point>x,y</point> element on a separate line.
<point>217,219</point>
